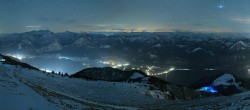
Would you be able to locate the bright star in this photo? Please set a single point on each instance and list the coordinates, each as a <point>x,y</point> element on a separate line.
<point>221,6</point>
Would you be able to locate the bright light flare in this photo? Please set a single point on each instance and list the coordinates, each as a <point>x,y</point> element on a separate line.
<point>114,64</point>
<point>165,72</point>
<point>17,56</point>
<point>208,89</point>
<point>2,60</point>
<point>46,70</point>
<point>248,72</point>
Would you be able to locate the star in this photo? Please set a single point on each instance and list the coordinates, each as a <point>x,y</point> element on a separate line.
<point>220,6</point>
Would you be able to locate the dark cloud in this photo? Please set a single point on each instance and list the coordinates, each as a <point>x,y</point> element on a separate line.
<point>71,21</point>
<point>198,24</point>
<point>60,20</point>
<point>119,29</point>
<point>47,19</point>
<point>92,27</point>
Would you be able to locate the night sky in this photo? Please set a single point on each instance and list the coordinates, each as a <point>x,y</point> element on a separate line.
<point>125,15</point>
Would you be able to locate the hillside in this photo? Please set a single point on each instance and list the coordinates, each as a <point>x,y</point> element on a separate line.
<point>136,76</point>
<point>52,91</point>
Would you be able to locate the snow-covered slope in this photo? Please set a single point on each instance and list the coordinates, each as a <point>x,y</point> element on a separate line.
<point>80,94</point>
<point>136,76</point>
<point>14,95</point>
<point>227,80</point>
<point>236,102</point>
<point>71,93</point>
<point>227,84</point>
<point>170,90</point>
<point>32,89</point>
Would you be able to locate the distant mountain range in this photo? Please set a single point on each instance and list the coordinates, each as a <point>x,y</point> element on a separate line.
<point>178,49</point>
<point>203,54</point>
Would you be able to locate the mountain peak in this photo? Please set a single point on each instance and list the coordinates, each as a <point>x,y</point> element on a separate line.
<point>40,32</point>
<point>239,45</point>
<point>225,79</point>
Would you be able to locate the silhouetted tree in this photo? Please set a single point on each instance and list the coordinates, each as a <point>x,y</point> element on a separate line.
<point>66,74</point>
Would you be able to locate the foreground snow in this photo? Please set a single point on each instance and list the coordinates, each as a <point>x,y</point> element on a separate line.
<point>14,95</point>
<point>30,89</point>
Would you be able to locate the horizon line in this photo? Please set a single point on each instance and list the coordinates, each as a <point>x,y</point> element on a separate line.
<point>127,32</point>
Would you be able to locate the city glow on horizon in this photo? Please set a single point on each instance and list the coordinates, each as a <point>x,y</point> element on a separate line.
<point>115,64</point>
<point>151,70</point>
<point>166,71</point>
